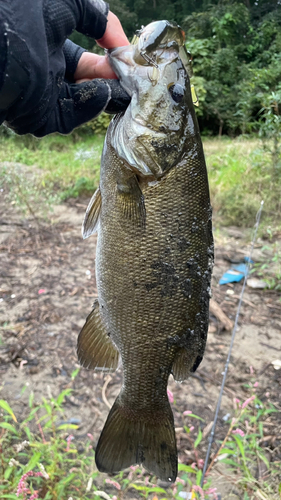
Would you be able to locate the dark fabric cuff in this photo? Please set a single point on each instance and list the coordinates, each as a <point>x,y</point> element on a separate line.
<point>72,54</point>
<point>94,18</point>
<point>77,104</point>
<point>3,51</point>
<point>119,100</point>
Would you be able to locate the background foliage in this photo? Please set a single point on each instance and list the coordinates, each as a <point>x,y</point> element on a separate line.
<point>236,49</point>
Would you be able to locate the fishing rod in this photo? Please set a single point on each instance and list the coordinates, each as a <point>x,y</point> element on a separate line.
<point>212,435</point>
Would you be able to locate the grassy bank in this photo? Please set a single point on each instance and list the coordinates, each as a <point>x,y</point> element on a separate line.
<point>240,172</point>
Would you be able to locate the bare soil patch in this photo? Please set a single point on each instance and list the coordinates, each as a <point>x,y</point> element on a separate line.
<point>47,288</point>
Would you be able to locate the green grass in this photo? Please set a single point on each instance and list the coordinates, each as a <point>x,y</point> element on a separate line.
<point>50,460</point>
<point>69,166</point>
<point>240,172</point>
<point>240,176</point>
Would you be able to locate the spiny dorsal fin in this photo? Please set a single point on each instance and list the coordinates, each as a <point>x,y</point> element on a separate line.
<point>91,219</point>
<point>94,347</point>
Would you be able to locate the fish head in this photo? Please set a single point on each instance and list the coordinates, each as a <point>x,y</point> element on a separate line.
<point>152,134</point>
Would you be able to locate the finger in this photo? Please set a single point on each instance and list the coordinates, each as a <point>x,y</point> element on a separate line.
<point>92,66</point>
<point>114,35</point>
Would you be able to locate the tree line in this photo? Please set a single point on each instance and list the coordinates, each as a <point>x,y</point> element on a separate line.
<point>236,51</point>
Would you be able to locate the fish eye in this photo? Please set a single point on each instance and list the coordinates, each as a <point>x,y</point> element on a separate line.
<point>176,92</point>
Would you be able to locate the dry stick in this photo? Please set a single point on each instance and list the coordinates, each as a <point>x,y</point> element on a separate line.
<point>212,435</point>
<point>104,398</point>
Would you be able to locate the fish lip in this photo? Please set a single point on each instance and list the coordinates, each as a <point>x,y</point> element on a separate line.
<point>123,55</point>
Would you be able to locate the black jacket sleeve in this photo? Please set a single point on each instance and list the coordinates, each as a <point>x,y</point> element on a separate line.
<point>36,64</point>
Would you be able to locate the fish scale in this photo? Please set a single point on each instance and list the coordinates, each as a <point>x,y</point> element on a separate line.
<point>154,256</point>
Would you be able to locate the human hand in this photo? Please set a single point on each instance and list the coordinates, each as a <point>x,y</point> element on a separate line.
<point>95,66</point>
<point>46,101</point>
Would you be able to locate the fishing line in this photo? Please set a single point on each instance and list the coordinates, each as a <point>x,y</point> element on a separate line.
<point>211,439</point>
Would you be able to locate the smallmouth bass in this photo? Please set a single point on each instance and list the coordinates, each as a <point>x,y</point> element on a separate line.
<point>154,252</point>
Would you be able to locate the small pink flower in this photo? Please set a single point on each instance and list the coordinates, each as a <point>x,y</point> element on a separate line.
<point>42,290</point>
<point>200,463</point>
<point>251,370</point>
<point>170,396</point>
<point>174,491</point>
<point>233,421</point>
<point>146,481</point>
<point>194,465</point>
<point>131,474</point>
<point>248,401</point>
<point>191,428</point>
<point>114,483</point>
<point>69,439</point>
<point>237,401</point>
<point>256,384</point>
<point>212,491</point>
<point>90,436</point>
<point>238,431</point>
<point>22,486</point>
<point>114,497</point>
<point>34,496</point>
<point>179,480</point>
<point>187,412</point>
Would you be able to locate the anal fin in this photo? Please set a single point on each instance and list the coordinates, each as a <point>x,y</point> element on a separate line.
<point>184,364</point>
<point>94,347</point>
<point>91,219</point>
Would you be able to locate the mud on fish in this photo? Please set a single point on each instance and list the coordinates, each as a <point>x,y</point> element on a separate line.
<point>154,252</point>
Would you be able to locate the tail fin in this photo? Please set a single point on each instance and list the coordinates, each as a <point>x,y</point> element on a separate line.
<point>130,439</point>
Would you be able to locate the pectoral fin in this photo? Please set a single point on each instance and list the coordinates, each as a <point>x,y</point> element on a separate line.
<point>91,219</point>
<point>94,347</point>
<point>130,201</point>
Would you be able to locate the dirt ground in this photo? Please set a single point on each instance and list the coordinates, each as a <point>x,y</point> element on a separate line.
<point>47,288</point>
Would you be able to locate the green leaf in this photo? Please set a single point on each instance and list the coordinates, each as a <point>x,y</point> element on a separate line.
<point>195,416</point>
<point>186,468</point>
<point>199,438</point>
<point>47,407</point>
<point>13,497</point>
<point>228,451</point>
<point>199,477</point>
<point>31,399</point>
<point>7,408</point>
<point>75,373</point>
<point>146,489</point>
<point>229,462</point>
<point>62,395</point>
<point>68,426</point>
<point>240,445</point>
<point>32,462</point>
<point>67,479</point>
<point>9,427</point>
<point>27,432</point>
<point>32,414</point>
<point>7,473</point>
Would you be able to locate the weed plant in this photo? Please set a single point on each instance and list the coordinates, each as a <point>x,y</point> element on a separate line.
<point>240,177</point>
<point>240,172</point>
<point>41,458</point>
<point>66,167</point>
